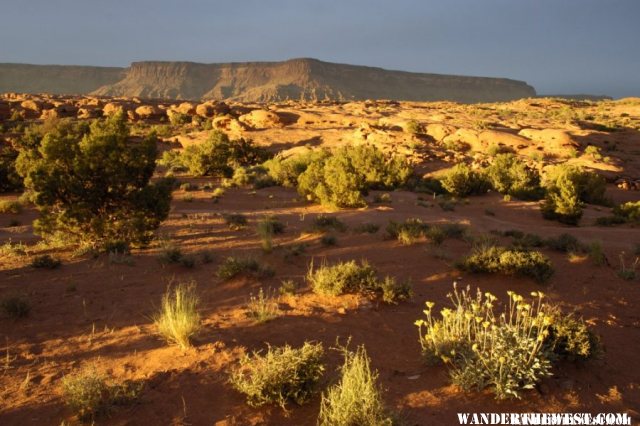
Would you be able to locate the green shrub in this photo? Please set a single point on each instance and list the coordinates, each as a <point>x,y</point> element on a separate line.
<point>219,156</point>
<point>188,187</point>
<point>523,240</point>
<point>413,127</point>
<point>236,221</point>
<point>13,207</point>
<point>10,180</point>
<point>564,243</point>
<point>628,212</point>
<point>324,223</point>
<point>356,399</point>
<point>596,254</point>
<point>178,319</point>
<point>341,278</point>
<point>178,119</point>
<point>15,307</point>
<point>394,291</point>
<point>366,228</point>
<point>45,261</point>
<point>170,253</point>
<point>487,349</point>
<point>461,181</point>
<point>413,229</point>
<point>427,185</point>
<point>510,175</point>
<point>567,188</point>
<point>492,259</point>
<point>627,271</point>
<point>285,171</point>
<point>92,184</point>
<point>288,287</point>
<point>234,266</point>
<point>328,240</point>
<point>342,178</point>
<point>281,375</point>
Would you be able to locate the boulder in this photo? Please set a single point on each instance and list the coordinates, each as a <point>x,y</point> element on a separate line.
<point>86,113</point>
<point>261,119</point>
<point>439,131</point>
<point>227,124</point>
<point>186,108</point>
<point>147,112</point>
<point>212,109</point>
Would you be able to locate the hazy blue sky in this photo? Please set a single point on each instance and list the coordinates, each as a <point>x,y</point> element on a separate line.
<point>558,46</point>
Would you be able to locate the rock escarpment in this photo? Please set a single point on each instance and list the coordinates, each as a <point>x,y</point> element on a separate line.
<point>296,79</point>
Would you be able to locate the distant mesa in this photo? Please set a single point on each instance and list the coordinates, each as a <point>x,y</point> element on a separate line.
<point>295,79</point>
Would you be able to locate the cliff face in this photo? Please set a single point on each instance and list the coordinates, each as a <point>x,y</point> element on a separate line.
<point>297,79</point>
<point>56,79</point>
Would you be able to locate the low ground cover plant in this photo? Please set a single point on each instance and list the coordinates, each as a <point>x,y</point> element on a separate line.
<point>234,266</point>
<point>281,375</point>
<point>495,259</point>
<point>90,393</point>
<point>45,261</point>
<point>353,277</point>
<point>413,229</point>
<point>15,306</point>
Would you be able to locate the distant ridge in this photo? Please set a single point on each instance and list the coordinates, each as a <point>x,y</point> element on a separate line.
<point>580,97</point>
<point>295,79</point>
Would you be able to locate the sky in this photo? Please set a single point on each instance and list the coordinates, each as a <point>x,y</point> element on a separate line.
<point>558,46</point>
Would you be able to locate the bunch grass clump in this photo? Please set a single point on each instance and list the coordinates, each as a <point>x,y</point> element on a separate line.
<point>178,319</point>
<point>263,307</point>
<point>267,228</point>
<point>356,399</point>
<point>281,375</point>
